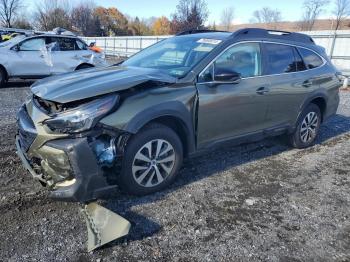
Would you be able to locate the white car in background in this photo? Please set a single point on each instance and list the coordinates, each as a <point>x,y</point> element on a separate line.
<point>39,56</point>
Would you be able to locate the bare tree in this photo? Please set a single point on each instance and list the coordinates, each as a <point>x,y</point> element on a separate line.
<point>341,11</point>
<point>312,10</point>
<point>51,14</point>
<point>8,10</point>
<point>267,15</point>
<point>190,14</point>
<point>227,17</point>
<point>83,20</point>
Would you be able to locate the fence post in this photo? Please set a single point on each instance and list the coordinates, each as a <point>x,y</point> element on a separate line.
<point>333,45</point>
<point>114,46</point>
<point>140,43</point>
<point>126,46</point>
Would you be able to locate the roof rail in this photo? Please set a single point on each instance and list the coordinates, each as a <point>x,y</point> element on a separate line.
<point>198,31</point>
<point>273,34</point>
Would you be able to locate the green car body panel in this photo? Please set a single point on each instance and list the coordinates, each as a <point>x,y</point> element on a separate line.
<point>203,113</point>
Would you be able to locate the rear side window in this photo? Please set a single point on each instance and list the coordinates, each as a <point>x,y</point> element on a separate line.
<point>63,44</point>
<point>310,58</point>
<point>280,59</point>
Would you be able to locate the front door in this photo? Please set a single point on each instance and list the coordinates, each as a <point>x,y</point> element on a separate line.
<point>232,109</point>
<point>31,58</point>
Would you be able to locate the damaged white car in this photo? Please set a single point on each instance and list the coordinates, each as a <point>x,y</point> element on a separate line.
<point>38,56</point>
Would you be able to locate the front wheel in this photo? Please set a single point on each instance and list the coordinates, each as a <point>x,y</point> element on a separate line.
<point>308,127</point>
<point>151,161</point>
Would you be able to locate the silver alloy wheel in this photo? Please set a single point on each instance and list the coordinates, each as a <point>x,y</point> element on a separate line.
<point>309,127</point>
<point>153,163</point>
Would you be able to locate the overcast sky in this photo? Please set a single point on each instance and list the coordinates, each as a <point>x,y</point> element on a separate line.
<point>291,10</point>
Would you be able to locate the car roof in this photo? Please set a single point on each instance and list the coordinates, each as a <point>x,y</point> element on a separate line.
<point>253,34</point>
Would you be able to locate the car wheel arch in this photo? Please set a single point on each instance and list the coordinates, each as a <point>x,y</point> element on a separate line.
<point>82,65</point>
<point>319,99</point>
<point>5,71</point>
<point>171,114</point>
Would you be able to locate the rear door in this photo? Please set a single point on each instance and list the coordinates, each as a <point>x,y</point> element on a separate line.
<point>228,110</point>
<point>66,54</point>
<point>289,83</point>
<point>30,59</point>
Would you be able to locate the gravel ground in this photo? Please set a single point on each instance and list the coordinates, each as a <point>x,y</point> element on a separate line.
<point>258,202</point>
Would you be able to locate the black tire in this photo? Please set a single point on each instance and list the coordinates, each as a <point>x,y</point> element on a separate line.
<point>297,139</point>
<point>83,67</point>
<point>3,79</point>
<point>156,133</point>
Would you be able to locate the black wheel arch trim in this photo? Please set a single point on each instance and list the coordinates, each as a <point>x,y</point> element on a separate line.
<point>83,64</point>
<point>320,93</point>
<point>2,67</point>
<point>174,109</point>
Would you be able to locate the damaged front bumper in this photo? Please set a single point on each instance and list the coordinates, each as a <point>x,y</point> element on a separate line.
<point>68,166</point>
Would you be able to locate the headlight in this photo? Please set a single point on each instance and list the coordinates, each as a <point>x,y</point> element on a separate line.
<point>82,117</point>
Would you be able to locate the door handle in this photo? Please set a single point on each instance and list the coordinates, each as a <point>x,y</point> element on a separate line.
<point>307,83</point>
<point>42,56</point>
<point>262,90</point>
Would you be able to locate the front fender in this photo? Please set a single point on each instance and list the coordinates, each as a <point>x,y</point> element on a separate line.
<point>138,110</point>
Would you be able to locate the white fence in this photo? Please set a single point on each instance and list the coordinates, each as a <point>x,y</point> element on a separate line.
<point>337,45</point>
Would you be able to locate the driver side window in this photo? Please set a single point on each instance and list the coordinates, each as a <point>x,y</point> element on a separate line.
<point>34,44</point>
<point>244,59</point>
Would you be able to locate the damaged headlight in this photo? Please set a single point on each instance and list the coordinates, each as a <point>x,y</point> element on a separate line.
<point>82,117</point>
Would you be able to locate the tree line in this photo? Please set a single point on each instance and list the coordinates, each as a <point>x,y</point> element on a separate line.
<point>87,18</point>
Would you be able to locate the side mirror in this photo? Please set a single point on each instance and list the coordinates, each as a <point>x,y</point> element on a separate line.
<point>229,77</point>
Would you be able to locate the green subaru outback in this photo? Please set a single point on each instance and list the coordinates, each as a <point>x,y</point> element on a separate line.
<point>130,125</point>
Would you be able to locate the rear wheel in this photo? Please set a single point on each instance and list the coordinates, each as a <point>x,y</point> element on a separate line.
<point>151,161</point>
<point>307,128</point>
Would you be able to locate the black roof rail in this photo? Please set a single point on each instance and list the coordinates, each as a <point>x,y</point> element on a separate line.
<point>198,31</point>
<point>273,34</point>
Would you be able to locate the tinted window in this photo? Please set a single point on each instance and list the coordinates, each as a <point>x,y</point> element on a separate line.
<point>280,59</point>
<point>81,45</point>
<point>35,44</point>
<point>310,58</point>
<point>299,61</point>
<point>62,44</point>
<point>244,59</point>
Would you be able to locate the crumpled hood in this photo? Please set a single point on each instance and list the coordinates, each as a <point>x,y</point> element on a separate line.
<point>93,82</point>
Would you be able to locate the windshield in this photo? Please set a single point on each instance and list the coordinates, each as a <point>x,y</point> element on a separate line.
<point>12,41</point>
<point>176,56</point>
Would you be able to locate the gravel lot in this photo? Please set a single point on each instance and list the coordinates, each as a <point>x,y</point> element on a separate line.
<point>256,202</point>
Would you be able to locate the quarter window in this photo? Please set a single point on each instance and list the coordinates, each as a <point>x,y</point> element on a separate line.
<point>280,59</point>
<point>310,58</point>
<point>34,44</point>
<point>81,45</point>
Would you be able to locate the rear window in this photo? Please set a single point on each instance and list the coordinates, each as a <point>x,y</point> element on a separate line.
<point>310,58</point>
<point>280,59</point>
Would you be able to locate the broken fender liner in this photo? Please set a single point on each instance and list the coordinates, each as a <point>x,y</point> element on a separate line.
<point>103,225</point>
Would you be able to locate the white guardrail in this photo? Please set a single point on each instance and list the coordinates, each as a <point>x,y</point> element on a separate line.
<point>337,45</point>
